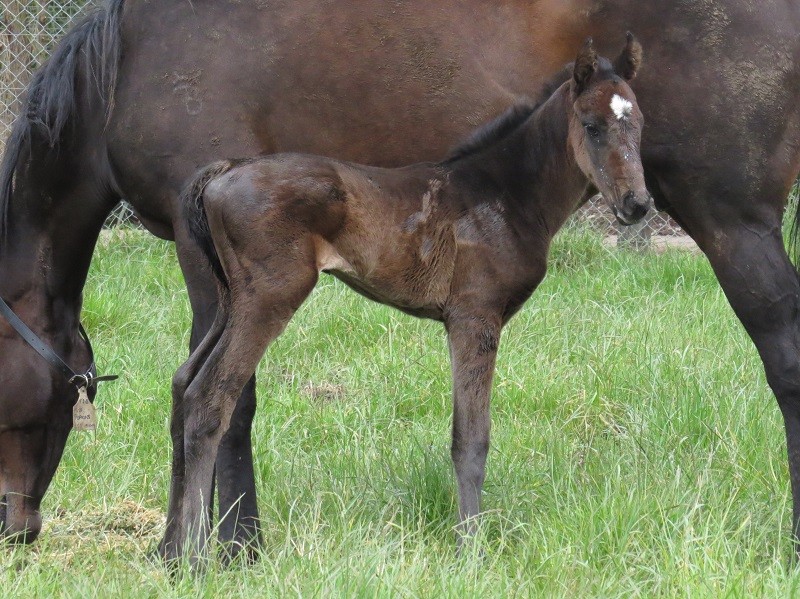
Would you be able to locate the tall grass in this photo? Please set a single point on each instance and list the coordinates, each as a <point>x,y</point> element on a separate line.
<point>636,449</point>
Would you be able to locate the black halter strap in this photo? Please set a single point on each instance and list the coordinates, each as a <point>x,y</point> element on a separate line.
<point>87,379</point>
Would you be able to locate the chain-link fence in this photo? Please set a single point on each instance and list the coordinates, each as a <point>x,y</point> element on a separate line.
<point>31,27</point>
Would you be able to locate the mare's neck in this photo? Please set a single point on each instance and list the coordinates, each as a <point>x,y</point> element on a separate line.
<point>532,171</point>
<point>45,256</point>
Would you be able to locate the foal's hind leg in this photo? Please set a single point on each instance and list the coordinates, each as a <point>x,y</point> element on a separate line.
<point>238,526</point>
<point>259,312</point>
<point>473,340</point>
<point>180,382</point>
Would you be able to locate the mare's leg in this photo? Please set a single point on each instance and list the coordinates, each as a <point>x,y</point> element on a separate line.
<point>473,340</point>
<point>239,527</point>
<point>762,287</point>
<point>258,313</point>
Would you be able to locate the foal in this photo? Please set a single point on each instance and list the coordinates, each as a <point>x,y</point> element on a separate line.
<point>464,241</point>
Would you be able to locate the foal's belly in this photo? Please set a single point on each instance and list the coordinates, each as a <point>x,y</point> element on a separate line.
<point>379,294</point>
<point>411,275</point>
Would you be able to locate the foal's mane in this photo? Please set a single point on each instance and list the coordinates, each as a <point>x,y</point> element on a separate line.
<point>509,121</point>
<point>50,104</point>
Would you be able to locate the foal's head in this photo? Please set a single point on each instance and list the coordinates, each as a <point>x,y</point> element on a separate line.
<point>605,129</point>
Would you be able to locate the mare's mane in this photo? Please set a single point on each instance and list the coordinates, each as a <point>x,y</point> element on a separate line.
<point>509,121</point>
<point>50,100</point>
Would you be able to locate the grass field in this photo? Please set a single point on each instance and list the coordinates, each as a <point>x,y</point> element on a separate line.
<point>636,448</point>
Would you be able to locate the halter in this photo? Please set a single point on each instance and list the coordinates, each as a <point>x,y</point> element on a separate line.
<point>87,380</point>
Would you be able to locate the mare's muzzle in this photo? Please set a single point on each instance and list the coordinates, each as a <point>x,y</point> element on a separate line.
<point>19,524</point>
<point>633,207</point>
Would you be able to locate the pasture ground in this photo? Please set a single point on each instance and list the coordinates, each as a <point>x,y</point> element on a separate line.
<point>637,450</point>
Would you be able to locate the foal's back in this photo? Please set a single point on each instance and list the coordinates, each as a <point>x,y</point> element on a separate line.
<point>388,233</point>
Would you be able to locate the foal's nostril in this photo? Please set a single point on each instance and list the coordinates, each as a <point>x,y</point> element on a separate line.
<point>632,208</point>
<point>628,198</point>
<point>636,206</point>
<point>640,210</point>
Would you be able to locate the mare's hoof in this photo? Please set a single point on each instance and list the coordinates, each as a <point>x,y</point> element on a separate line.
<point>242,551</point>
<point>165,554</point>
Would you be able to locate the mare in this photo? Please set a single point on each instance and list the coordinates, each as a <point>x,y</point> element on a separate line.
<point>463,241</point>
<point>140,94</point>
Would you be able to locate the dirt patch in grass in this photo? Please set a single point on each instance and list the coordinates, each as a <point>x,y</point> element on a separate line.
<point>323,392</point>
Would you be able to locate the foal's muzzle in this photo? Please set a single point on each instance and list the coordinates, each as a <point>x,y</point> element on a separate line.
<point>632,208</point>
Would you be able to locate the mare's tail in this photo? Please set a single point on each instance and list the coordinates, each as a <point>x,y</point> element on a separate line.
<point>194,211</point>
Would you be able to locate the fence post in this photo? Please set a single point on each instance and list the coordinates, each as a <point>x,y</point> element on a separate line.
<point>635,237</point>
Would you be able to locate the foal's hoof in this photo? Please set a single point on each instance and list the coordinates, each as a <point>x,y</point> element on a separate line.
<point>469,540</point>
<point>469,548</point>
<point>470,551</point>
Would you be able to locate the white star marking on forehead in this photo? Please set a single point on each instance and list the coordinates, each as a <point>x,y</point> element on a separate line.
<point>622,108</point>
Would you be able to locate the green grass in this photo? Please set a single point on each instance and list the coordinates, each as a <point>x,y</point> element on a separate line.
<point>636,448</point>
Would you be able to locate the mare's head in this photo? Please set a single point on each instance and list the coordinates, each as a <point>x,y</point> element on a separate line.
<point>55,191</point>
<point>605,128</point>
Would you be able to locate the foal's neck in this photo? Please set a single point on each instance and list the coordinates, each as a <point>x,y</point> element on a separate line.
<point>532,170</point>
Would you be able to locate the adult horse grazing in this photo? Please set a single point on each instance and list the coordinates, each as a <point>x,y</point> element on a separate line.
<point>463,241</point>
<point>140,94</point>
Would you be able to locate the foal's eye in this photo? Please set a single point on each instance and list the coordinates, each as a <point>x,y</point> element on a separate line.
<point>592,130</point>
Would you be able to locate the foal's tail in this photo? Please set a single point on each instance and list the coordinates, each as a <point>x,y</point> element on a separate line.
<point>194,211</point>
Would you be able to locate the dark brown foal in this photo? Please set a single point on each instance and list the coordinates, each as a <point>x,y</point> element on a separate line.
<point>464,241</point>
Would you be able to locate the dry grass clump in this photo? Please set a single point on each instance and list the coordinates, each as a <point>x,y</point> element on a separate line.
<point>126,526</point>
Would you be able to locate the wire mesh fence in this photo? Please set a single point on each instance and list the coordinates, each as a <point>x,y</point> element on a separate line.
<point>30,28</point>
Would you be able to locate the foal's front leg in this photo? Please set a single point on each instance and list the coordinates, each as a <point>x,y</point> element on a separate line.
<point>473,341</point>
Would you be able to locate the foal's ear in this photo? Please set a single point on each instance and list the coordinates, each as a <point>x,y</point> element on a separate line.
<point>628,63</point>
<point>585,66</point>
